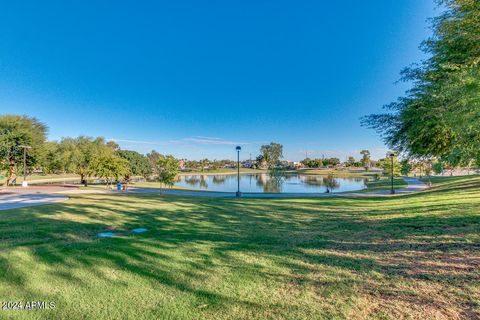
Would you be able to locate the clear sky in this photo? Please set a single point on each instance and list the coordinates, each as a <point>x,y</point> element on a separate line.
<point>196,78</point>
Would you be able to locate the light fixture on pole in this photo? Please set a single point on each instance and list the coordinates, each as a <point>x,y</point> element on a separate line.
<point>391,155</point>
<point>24,147</point>
<point>238,194</point>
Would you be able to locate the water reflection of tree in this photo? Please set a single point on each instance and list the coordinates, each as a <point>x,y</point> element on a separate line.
<point>196,180</point>
<point>271,182</point>
<point>330,182</point>
<point>192,180</point>
<point>313,181</point>
<point>219,179</point>
<point>203,182</point>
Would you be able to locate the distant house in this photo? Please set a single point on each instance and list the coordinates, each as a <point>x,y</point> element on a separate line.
<point>293,165</point>
<point>247,164</point>
<point>298,165</point>
<point>181,164</point>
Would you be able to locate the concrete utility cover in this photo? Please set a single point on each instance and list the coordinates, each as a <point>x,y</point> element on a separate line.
<point>106,234</point>
<point>139,230</point>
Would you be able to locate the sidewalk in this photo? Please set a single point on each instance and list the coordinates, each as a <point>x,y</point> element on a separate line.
<point>15,200</point>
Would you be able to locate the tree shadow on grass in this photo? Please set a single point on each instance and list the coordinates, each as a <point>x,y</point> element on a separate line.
<point>189,239</point>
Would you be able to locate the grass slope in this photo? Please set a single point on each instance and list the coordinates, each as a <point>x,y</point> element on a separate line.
<point>384,184</point>
<point>414,256</point>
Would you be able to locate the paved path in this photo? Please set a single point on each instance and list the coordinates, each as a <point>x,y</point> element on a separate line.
<point>13,198</point>
<point>16,200</point>
<point>414,185</point>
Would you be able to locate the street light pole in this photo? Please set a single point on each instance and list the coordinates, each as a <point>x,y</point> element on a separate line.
<point>238,194</point>
<point>392,155</point>
<point>24,183</point>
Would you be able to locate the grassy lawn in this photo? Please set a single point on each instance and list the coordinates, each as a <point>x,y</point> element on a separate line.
<point>414,256</point>
<point>384,184</point>
<point>142,184</point>
<point>343,173</point>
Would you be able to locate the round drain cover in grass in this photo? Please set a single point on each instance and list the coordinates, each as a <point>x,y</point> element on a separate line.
<point>139,230</point>
<point>106,234</point>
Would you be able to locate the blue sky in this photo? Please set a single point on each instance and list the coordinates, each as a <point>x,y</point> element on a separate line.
<point>196,78</point>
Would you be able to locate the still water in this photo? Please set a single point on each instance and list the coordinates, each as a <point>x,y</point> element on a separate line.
<point>266,183</point>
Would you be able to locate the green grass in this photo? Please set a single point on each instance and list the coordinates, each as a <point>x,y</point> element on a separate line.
<point>414,256</point>
<point>384,184</point>
<point>142,184</point>
<point>451,182</point>
<point>343,173</point>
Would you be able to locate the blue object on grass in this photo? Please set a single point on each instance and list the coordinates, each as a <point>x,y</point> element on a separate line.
<point>106,234</point>
<point>139,230</point>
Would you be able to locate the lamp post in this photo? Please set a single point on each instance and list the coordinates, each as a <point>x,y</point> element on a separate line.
<point>238,194</point>
<point>391,155</point>
<point>24,147</point>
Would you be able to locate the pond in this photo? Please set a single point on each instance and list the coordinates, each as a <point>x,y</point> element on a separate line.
<point>292,183</point>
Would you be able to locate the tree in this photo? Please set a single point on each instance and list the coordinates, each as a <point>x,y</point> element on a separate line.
<point>438,116</point>
<point>272,153</point>
<point>50,158</point>
<point>438,167</point>
<point>351,161</point>
<point>112,145</point>
<point>153,158</point>
<point>330,183</point>
<point>77,154</point>
<point>138,163</point>
<point>215,165</point>
<point>306,162</point>
<point>108,166</point>
<point>330,161</point>
<point>405,167</point>
<point>17,131</point>
<point>386,165</point>
<point>315,163</point>
<point>167,168</point>
<point>259,162</point>
<point>204,163</point>
<point>419,166</point>
<point>365,159</point>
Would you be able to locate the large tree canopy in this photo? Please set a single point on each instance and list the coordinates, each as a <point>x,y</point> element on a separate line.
<point>167,168</point>
<point>108,166</point>
<point>439,116</point>
<point>15,132</point>
<point>272,153</point>
<point>77,154</point>
<point>138,163</point>
<point>365,161</point>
